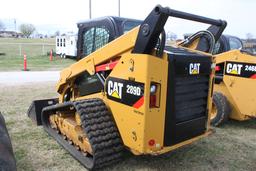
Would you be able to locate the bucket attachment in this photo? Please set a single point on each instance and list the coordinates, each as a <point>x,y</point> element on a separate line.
<point>35,109</point>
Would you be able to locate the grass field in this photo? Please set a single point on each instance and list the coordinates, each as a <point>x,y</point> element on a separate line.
<point>36,51</point>
<point>232,147</point>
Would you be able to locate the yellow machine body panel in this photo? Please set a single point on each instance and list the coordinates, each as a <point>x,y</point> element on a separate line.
<point>131,121</point>
<point>239,82</point>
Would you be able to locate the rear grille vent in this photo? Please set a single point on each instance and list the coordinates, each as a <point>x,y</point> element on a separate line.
<point>190,97</point>
<point>187,96</point>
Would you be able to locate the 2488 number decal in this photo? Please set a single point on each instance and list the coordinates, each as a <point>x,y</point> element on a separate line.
<point>250,68</point>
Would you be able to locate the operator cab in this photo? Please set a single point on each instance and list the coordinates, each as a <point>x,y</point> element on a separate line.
<point>93,34</point>
<point>226,43</point>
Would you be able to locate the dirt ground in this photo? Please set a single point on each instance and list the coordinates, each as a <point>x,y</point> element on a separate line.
<point>232,147</point>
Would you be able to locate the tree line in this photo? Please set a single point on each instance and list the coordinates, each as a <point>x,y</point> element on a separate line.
<point>26,29</point>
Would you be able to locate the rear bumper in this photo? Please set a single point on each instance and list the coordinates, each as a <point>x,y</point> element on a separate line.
<point>36,107</point>
<point>180,145</point>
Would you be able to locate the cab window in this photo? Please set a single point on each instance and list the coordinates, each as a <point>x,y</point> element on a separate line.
<point>88,84</point>
<point>234,43</point>
<point>94,38</point>
<point>101,37</point>
<point>88,41</point>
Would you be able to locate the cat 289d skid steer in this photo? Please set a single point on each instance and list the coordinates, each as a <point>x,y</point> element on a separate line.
<point>132,93</point>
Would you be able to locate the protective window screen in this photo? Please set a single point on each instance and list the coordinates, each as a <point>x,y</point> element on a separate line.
<point>95,38</point>
<point>88,41</point>
<point>101,37</point>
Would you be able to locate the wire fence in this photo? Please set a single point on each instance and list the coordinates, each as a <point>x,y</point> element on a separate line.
<point>31,49</point>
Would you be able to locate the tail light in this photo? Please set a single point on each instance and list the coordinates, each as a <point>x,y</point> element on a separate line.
<point>217,68</point>
<point>154,95</point>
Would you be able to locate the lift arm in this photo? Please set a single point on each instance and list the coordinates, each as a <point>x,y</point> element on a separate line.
<point>153,26</point>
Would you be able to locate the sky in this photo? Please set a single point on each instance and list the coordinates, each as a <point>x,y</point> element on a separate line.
<point>51,15</point>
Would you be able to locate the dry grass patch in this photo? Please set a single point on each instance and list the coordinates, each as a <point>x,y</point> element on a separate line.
<point>232,147</point>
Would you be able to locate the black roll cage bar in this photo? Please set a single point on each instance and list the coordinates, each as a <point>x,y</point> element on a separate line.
<point>153,26</point>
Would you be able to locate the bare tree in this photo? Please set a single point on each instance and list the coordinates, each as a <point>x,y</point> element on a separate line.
<point>57,33</point>
<point>249,36</point>
<point>171,36</point>
<point>2,26</point>
<point>27,29</point>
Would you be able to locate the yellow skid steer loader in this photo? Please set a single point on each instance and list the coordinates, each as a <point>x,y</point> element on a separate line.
<point>133,93</point>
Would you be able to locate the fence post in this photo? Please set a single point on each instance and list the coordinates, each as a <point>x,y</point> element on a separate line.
<point>20,48</point>
<point>43,49</point>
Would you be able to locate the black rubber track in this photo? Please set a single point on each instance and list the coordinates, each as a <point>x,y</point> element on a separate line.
<point>99,127</point>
